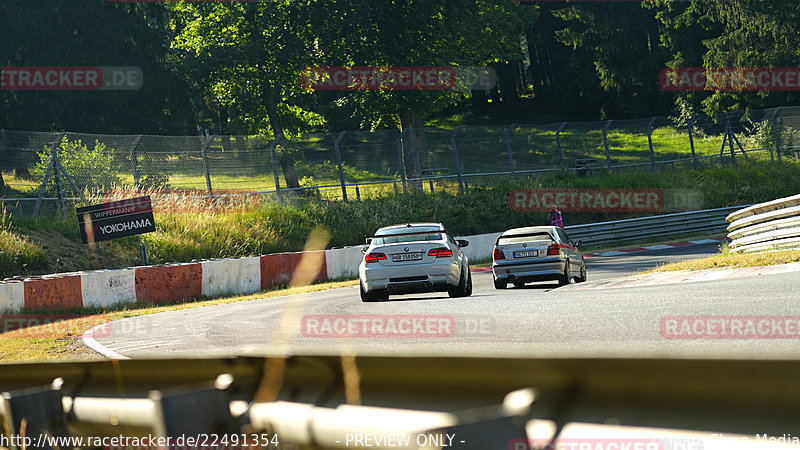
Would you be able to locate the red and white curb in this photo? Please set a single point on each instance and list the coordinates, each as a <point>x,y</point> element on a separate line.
<point>687,276</point>
<point>656,247</point>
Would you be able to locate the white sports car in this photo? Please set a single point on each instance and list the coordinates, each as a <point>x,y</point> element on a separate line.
<point>413,258</point>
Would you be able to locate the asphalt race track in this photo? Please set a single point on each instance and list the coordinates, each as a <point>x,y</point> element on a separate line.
<point>538,320</point>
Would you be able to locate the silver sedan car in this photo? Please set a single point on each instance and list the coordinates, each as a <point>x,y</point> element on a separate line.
<point>412,258</point>
<point>523,255</point>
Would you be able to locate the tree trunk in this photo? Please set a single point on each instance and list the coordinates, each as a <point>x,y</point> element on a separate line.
<point>412,146</point>
<point>286,157</point>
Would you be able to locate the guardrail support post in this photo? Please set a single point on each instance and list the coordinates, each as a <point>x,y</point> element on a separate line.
<point>508,149</point>
<point>605,143</point>
<point>650,142</point>
<point>339,161</point>
<point>455,157</point>
<point>400,158</point>
<point>558,143</point>
<point>690,125</point>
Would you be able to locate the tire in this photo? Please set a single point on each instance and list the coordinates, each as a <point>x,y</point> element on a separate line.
<point>371,296</point>
<point>519,284</point>
<point>566,278</point>
<point>499,284</point>
<point>464,287</point>
<point>582,277</point>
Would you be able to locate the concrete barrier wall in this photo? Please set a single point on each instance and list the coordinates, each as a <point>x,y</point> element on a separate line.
<point>170,283</point>
<point>104,288</point>
<point>231,276</point>
<point>178,282</point>
<point>12,295</point>
<point>343,262</point>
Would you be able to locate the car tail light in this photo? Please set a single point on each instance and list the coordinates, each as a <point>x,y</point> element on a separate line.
<point>440,252</point>
<point>555,249</point>
<point>498,254</point>
<point>374,257</point>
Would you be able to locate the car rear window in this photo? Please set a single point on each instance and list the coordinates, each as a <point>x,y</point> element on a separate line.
<point>519,238</point>
<point>413,234</point>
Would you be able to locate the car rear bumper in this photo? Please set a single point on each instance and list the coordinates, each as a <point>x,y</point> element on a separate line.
<point>435,277</point>
<point>550,269</point>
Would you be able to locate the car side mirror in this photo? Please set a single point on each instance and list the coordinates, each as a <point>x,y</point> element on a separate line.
<point>577,243</point>
<point>368,240</point>
<point>462,243</point>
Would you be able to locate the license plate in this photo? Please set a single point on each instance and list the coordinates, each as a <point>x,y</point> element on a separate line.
<point>526,254</point>
<point>406,257</point>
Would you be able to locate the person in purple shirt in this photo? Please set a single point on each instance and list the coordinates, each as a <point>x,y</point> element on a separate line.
<point>554,217</point>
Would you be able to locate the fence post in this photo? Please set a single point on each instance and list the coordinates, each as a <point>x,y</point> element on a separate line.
<point>605,143</point>
<point>455,156</point>
<point>400,158</point>
<point>650,142</point>
<point>204,152</point>
<point>274,157</point>
<point>729,130</point>
<point>50,167</point>
<point>339,160</point>
<point>508,149</point>
<point>58,181</point>
<point>134,162</point>
<point>691,140</point>
<point>558,143</point>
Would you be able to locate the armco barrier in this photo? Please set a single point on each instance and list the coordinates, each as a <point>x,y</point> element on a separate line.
<point>239,276</point>
<point>705,221</point>
<point>773,225</point>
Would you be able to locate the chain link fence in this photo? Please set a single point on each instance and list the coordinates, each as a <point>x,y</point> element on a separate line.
<point>59,167</point>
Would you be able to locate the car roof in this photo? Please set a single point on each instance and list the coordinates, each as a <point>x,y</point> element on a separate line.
<point>411,225</point>
<point>530,230</point>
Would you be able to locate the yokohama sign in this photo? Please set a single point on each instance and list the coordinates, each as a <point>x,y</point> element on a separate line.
<point>587,200</point>
<point>116,219</point>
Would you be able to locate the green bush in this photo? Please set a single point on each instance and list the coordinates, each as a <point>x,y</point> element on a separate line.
<point>91,168</point>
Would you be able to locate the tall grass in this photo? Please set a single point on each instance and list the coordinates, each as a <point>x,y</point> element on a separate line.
<point>17,254</point>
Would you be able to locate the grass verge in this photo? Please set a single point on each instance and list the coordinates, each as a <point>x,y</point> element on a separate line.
<point>62,340</point>
<point>729,260</point>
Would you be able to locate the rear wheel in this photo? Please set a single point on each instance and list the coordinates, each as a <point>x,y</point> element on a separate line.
<point>371,296</point>
<point>582,277</point>
<point>519,284</point>
<point>567,276</point>
<point>464,287</point>
<point>500,284</point>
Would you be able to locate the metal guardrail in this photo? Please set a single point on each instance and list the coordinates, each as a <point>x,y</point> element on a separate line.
<point>773,225</point>
<point>486,403</point>
<point>708,221</point>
